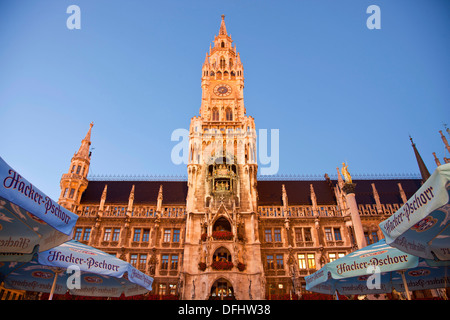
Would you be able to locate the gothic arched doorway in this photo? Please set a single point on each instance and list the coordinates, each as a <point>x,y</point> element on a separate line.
<point>222,290</point>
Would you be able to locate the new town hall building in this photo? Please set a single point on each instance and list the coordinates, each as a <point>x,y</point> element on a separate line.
<point>222,233</point>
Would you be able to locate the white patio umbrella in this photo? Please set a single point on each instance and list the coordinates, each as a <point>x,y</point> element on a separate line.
<point>356,272</point>
<point>421,226</point>
<point>101,274</point>
<point>29,220</point>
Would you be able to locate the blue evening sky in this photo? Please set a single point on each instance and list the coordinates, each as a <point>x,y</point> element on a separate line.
<point>336,90</point>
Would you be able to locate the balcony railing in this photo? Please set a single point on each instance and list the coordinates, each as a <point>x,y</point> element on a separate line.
<point>74,176</point>
<point>324,211</point>
<point>371,209</point>
<point>298,211</point>
<point>137,211</point>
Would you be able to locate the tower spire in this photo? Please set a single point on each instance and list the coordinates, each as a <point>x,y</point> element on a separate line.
<point>223,28</point>
<point>83,152</point>
<point>74,182</point>
<point>422,167</point>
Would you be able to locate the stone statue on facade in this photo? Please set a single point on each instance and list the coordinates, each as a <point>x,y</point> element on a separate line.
<point>345,173</point>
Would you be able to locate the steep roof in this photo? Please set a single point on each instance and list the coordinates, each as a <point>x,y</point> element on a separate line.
<point>298,192</point>
<point>145,192</point>
<point>269,192</point>
<point>387,190</point>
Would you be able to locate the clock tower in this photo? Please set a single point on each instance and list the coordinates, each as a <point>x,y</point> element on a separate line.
<point>223,137</point>
<point>222,222</point>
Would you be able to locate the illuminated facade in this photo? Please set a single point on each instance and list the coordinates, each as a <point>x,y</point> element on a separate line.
<point>222,233</point>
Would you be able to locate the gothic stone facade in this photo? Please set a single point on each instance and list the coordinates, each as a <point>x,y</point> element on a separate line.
<point>222,233</point>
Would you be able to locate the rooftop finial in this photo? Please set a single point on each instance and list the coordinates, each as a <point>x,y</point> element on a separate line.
<point>223,28</point>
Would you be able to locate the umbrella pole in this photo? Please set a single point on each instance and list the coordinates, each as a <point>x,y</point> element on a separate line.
<point>408,296</point>
<point>53,286</point>
<point>336,293</point>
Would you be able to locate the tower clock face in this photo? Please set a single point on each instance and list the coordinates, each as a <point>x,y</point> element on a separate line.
<point>222,90</point>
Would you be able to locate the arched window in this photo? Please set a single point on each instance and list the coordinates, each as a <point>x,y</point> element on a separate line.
<point>222,224</point>
<point>222,254</point>
<point>222,44</point>
<point>215,114</point>
<point>222,62</point>
<point>229,114</point>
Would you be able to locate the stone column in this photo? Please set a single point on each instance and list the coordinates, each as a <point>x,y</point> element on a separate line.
<point>349,189</point>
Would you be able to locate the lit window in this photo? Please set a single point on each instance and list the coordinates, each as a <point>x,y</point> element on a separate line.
<point>162,288</point>
<point>166,235</point>
<point>311,261</point>
<point>107,235</point>
<point>173,289</point>
<point>301,261</point>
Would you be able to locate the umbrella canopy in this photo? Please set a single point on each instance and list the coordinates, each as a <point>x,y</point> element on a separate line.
<point>420,226</point>
<point>101,274</point>
<point>356,272</point>
<point>29,218</point>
